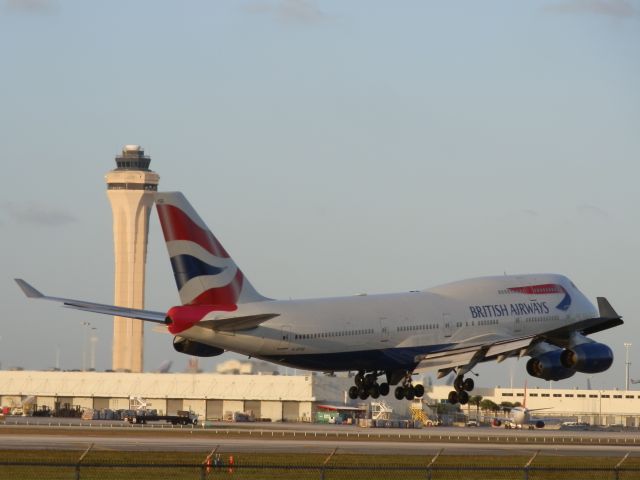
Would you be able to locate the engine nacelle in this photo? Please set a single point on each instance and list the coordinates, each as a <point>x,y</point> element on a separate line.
<point>588,357</point>
<point>496,422</point>
<point>548,366</point>
<point>196,349</point>
<point>539,424</point>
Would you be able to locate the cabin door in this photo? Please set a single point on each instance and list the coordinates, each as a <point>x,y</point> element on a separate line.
<point>285,336</point>
<point>384,330</point>
<point>447,325</point>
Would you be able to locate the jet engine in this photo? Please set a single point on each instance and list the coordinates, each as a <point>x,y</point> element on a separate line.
<point>539,424</point>
<point>196,349</point>
<point>588,357</point>
<point>548,366</point>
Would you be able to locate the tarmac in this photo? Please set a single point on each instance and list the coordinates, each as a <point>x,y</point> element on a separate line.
<point>312,438</point>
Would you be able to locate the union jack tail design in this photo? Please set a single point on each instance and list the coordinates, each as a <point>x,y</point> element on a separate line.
<point>205,273</point>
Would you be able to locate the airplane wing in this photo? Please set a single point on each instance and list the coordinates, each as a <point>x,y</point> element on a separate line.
<point>467,356</point>
<point>234,323</point>
<point>146,315</point>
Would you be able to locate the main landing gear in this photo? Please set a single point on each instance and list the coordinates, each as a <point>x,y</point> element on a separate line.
<point>408,391</point>
<point>462,386</point>
<point>366,385</point>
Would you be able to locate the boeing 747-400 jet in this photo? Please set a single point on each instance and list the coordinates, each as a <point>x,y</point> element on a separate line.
<point>449,328</point>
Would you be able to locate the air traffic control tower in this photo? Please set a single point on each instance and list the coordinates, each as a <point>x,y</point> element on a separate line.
<point>130,188</point>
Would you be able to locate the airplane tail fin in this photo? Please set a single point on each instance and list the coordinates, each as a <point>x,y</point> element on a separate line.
<point>205,274</point>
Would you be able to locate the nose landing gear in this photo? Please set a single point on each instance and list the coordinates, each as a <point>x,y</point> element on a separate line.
<point>461,386</point>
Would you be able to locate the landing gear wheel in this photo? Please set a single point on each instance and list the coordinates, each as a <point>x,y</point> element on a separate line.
<point>370,379</point>
<point>399,393</point>
<point>468,384</point>
<point>409,393</point>
<point>374,390</point>
<point>419,391</point>
<point>384,389</point>
<point>463,397</point>
<point>458,383</point>
<point>353,392</point>
<point>363,394</point>
<point>453,397</point>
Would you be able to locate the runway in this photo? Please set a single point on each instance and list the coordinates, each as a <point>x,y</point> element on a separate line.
<point>314,429</point>
<point>193,441</point>
<point>246,445</point>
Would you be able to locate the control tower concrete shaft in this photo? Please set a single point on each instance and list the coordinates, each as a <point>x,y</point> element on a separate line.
<point>130,188</point>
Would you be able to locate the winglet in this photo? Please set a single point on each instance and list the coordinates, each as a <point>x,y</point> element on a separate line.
<point>28,290</point>
<point>606,310</point>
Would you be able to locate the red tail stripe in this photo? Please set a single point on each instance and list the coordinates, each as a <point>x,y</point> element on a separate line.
<point>176,225</point>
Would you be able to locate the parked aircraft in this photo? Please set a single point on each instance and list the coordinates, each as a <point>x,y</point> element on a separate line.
<point>449,328</point>
<point>520,416</point>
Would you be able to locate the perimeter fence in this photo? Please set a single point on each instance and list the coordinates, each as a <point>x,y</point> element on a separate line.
<point>179,471</point>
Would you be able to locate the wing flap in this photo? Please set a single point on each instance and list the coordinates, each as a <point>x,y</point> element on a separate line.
<point>232,324</point>
<point>471,355</point>
<point>510,346</point>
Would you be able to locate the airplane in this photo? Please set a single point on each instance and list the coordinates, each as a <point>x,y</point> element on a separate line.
<point>520,416</point>
<point>448,328</point>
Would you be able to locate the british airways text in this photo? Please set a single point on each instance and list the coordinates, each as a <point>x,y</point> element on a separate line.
<point>504,310</point>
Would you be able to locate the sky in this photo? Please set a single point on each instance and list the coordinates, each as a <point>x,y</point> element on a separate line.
<point>333,147</point>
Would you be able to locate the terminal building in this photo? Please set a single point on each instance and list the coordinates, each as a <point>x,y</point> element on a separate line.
<point>211,396</point>
<point>595,407</point>
<point>283,397</point>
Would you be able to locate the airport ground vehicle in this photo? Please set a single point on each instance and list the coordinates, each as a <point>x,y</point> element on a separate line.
<point>184,417</point>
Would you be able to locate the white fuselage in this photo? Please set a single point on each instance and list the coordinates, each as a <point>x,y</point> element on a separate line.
<point>387,331</point>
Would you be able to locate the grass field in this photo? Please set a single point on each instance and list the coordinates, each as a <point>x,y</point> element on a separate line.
<point>172,465</point>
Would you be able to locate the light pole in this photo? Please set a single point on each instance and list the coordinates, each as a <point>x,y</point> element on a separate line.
<point>626,370</point>
<point>86,326</point>
<point>93,340</point>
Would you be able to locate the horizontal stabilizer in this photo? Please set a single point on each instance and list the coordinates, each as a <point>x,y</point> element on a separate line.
<point>138,314</point>
<point>232,324</point>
